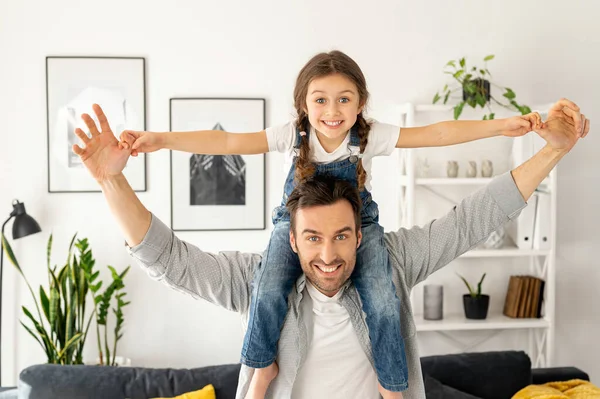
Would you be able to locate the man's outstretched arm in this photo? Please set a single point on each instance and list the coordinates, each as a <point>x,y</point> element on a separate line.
<point>222,279</point>
<point>422,250</point>
<point>131,215</point>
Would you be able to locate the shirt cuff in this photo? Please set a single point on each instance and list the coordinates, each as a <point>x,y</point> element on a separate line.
<point>154,243</point>
<point>507,195</point>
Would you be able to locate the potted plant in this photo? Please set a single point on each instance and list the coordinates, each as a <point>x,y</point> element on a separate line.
<point>60,326</point>
<point>475,303</point>
<point>475,86</point>
<point>102,303</point>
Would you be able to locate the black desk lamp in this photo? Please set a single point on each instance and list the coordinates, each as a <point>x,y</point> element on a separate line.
<point>23,226</point>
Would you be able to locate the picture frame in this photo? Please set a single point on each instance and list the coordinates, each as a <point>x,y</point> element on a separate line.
<point>73,84</point>
<point>217,192</point>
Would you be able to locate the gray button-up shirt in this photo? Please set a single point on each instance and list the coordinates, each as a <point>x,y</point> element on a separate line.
<point>224,278</point>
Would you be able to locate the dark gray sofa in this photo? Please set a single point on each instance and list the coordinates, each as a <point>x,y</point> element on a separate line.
<point>489,375</point>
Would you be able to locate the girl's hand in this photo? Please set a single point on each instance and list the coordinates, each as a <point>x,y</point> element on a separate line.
<point>140,141</point>
<point>519,125</point>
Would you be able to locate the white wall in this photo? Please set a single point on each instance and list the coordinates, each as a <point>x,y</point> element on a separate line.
<point>545,50</point>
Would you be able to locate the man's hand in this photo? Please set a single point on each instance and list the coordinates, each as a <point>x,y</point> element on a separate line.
<point>566,108</point>
<point>561,133</point>
<point>564,127</point>
<point>101,155</point>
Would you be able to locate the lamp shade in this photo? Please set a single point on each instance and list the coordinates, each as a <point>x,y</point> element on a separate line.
<point>23,224</point>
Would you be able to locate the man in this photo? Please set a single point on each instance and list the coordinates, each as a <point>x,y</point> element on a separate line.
<point>325,233</point>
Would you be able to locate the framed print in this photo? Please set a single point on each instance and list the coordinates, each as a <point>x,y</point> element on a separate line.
<point>217,192</point>
<point>73,84</point>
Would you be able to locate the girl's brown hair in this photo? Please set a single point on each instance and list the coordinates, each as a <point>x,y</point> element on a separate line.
<point>324,64</point>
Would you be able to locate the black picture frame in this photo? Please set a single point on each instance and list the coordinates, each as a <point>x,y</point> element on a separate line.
<point>217,203</point>
<point>73,84</point>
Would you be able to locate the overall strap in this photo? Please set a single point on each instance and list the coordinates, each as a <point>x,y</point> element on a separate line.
<point>354,145</point>
<point>354,138</point>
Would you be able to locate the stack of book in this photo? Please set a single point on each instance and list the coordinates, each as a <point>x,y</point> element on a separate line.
<point>524,297</point>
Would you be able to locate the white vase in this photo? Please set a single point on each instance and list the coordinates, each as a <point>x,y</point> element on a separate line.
<point>472,169</point>
<point>423,166</point>
<point>487,169</point>
<point>452,169</point>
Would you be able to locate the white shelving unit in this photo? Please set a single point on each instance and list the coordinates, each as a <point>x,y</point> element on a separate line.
<point>541,262</point>
<point>458,322</point>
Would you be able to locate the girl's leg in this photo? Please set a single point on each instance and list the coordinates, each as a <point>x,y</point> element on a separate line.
<point>373,280</point>
<point>261,379</point>
<point>387,394</point>
<point>273,280</point>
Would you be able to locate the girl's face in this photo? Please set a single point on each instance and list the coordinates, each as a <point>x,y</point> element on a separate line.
<point>332,104</point>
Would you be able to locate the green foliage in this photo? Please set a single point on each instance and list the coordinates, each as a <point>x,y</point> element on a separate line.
<point>63,329</point>
<point>471,82</point>
<point>472,292</point>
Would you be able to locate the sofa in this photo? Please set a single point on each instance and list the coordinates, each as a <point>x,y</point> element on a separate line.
<point>489,375</point>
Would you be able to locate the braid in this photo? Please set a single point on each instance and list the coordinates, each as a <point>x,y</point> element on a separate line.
<point>304,167</point>
<point>363,133</point>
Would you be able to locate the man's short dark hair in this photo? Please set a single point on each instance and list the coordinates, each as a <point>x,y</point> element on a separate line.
<point>323,190</point>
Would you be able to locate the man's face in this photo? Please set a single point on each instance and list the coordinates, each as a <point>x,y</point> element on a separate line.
<point>325,239</point>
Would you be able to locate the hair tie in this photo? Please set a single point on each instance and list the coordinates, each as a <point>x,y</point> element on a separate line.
<point>303,133</point>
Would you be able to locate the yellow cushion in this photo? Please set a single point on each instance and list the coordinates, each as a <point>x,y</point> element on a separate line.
<point>208,392</point>
<point>539,392</point>
<point>572,389</point>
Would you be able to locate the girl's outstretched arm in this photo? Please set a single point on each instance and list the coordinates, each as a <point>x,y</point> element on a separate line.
<point>214,142</point>
<point>455,132</point>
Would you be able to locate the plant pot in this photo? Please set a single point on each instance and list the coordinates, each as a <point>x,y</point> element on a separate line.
<point>482,85</point>
<point>476,308</point>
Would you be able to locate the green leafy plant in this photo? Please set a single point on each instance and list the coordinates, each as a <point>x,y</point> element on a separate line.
<point>103,302</point>
<point>472,292</point>
<point>474,85</point>
<point>63,330</point>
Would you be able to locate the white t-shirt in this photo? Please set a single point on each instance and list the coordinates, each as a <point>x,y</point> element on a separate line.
<point>382,141</point>
<point>335,365</point>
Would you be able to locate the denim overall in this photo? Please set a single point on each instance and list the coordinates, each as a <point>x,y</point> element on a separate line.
<point>372,277</point>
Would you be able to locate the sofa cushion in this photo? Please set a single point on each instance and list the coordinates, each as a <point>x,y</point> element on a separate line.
<point>50,381</point>
<point>434,389</point>
<point>208,392</point>
<point>489,375</point>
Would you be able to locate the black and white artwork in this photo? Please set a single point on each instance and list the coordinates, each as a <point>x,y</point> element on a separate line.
<point>217,179</point>
<point>215,191</point>
<point>73,85</point>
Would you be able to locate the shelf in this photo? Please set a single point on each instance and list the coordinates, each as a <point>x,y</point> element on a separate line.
<point>508,252</point>
<point>455,181</point>
<point>494,322</point>
<point>447,181</point>
<point>433,182</point>
<point>459,181</point>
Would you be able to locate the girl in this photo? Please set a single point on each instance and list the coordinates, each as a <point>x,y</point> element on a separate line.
<point>332,136</point>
